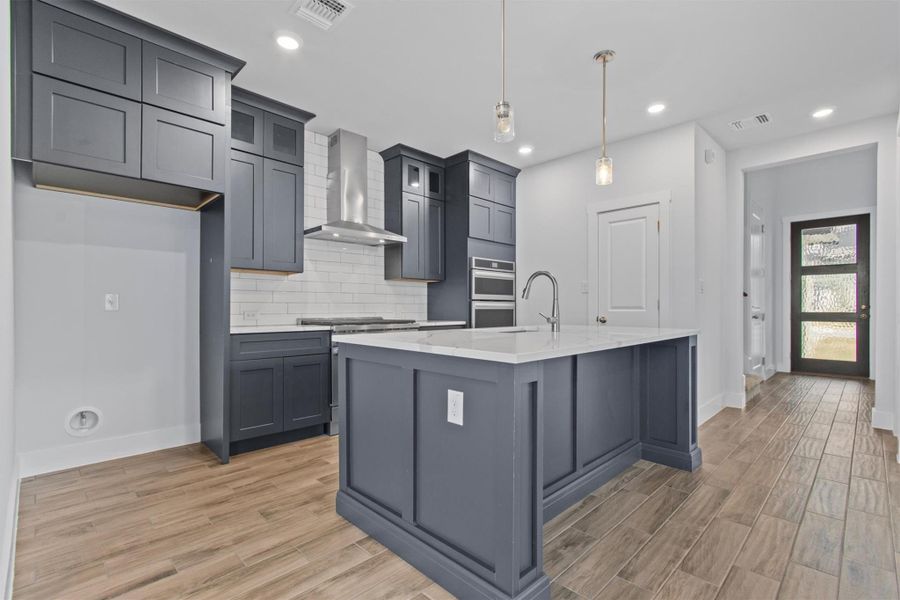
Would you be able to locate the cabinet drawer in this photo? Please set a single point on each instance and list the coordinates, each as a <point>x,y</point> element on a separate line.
<point>182,150</point>
<point>83,128</point>
<point>283,139</point>
<point>177,82</point>
<point>247,125</point>
<point>246,346</point>
<point>76,49</point>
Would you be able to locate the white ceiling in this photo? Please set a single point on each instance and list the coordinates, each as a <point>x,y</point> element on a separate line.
<point>426,72</point>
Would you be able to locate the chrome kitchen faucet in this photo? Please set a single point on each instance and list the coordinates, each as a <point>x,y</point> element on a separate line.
<point>553,319</point>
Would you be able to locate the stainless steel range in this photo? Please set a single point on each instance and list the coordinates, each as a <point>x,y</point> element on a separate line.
<point>352,325</point>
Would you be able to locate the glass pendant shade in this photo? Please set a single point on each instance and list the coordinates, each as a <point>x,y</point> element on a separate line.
<point>604,170</point>
<point>504,123</point>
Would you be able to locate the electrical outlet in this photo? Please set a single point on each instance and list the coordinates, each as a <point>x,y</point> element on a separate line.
<point>584,287</point>
<point>111,302</point>
<point>455,407</point>
<point>250,314</point>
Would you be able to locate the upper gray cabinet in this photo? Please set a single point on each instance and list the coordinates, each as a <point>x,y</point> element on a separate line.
<point>282,216</point>
<point>434,182</point>
<point>184,84</point>
<point>247,124</point>
<point>413,173</point>
<point>82,128</point>
<point>70,47</point>
<point>283,139</point>
<point>491,184</point>
<point>182,151</point>
<point>246,200</point>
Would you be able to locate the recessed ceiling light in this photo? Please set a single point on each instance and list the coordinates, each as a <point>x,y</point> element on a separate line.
<point>655,109</point>
<point>288,42</point>
<point>336,234</point>
<point>822,113</point>
<point>526,150</point>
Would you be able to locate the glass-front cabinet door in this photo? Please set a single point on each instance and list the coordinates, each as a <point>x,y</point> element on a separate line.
<point>830,308</point>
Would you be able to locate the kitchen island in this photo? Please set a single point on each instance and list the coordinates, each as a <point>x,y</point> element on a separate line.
<point>458,445</point>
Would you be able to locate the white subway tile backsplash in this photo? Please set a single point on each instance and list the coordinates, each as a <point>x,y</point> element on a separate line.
<point>345,280</point>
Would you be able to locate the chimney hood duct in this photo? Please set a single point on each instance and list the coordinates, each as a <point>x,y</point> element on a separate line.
<point>346,195</point>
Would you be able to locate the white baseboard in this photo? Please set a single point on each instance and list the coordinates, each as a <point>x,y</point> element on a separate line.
<point>47,460</point>
<point>734,399</point>
<point>881,419</point>
<point>708,409</point>
<point>10,524</point>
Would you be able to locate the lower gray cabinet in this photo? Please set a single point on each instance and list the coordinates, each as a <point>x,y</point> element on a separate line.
<point>182,150</point>
<point>83,128</point>
<point>307,390</point>
<point>257,398</point>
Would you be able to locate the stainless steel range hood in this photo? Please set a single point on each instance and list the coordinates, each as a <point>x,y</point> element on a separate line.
<point>347,195</point>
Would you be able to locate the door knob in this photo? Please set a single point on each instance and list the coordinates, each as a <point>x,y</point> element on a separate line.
<point>601,319</point>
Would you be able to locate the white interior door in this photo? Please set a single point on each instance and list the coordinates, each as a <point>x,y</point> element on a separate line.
<point>628,266</point>
<point>755,300</point>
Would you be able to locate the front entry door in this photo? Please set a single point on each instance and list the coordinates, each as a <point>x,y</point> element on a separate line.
<point>628,266</point>
<point>830,296</point>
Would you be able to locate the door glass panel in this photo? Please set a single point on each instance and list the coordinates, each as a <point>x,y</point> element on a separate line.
<point>284,139</point>
<point>829,293</point>
<point>835,245</point>
<point>242,126</point>
<point>434,182</point>
<point>823,340</point>
<point>413,176</point>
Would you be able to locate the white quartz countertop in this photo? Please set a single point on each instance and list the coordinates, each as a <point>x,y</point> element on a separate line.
<point>516,344</point>
<point>238,329</point>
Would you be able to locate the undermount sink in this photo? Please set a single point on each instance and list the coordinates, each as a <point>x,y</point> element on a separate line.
<point>521,330</point>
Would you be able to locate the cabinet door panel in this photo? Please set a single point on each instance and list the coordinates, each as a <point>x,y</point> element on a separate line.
<point>73,48</point>
<point>480,181</point>
<point>413,176</point>
<point>481,222</point>
<point>282,217</point>
<point>257,398</point>
<point>413,216</point>
<point>504,221</point>
<point>434,182</point>
<point>283,139</point>
<point>82,128</point>
<point>503,189</point>
<point>184,84</point>
<point>182,150</point>
<point>247,125</point>
<point>307,382</point>
<point>435,240</point>
<point>245,192</point>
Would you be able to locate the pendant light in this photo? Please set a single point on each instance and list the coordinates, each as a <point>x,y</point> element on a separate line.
<point>604,167</point>
<point>504,125</point>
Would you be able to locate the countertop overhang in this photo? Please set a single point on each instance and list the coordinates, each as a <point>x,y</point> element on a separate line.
<point>239,329</point>
<point>516,345</point>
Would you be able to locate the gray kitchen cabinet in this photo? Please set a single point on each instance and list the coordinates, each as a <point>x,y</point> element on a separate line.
<point>70,47</point>
<point>503,189</point>
<point>257,398</point>
<point>434,264</point>
<point>414,252</point>
<point>182,150</point>
<point>413,176</point>
<point>490,184</point>
<point>434,182</point>
<point>503,220</point>
<point>83,128</point>
<point>307,391</point>
<point>479,181</point>
<point>282,216</point>
<point>283,139</point>
<point>247,126</point>
<point>481,219</point>
<point>246,196</point>
<point>183,84</point>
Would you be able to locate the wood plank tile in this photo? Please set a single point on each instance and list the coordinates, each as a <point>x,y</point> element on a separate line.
<point>840,444</point>
<point>651,566</point>
<point>870,467</point>
<point>818,544</point>
<point>590,574</point>
<point>835,468</point>
<point>647,482</point>
<point>565,519</point>
<point>780,448</point>
<point>868,444</point>
<point>818,431</point>
<point>702,505</point>
<point>619,589</point>
<point>744,503</point>
<point>768,547</point>
<point>728,473</point>
<point>869,496</point>
<point>655,510</point>
<point>810,447</point>
<point>559,592</point>
<point>564,549</point>
<point>764,471</point>
<point>828,498</point>
<point>802,583</point>
<point>684,586</point>
<point>716,549</point>
<point>742,584</point>
<point>609,514</point>
<point>865,582</point>
<point>867,540</point>
<point>800,470</point>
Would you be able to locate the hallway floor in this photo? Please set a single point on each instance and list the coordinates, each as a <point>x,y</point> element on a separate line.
<point>798,497</point>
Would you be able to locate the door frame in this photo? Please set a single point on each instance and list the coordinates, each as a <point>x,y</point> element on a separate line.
<point>786,224</point>
<point>661,198</point>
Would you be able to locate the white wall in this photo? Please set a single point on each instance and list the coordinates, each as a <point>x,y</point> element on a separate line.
<point>337,279</point>
<point>8,470</point>
<point>139,365</point>
<point>552,200</point>
<point>827,185</point>
<point>880,131</point>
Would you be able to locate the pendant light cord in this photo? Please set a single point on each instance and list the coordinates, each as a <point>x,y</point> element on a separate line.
<point>502,50</point>
<point>603,137</point>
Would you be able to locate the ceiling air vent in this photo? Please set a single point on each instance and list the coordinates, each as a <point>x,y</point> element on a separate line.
<point>322,13</point>
<point>750,122</point>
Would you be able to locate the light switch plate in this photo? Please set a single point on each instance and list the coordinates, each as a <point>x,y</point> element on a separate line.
<point>111,302</point>
<point>455,407</point>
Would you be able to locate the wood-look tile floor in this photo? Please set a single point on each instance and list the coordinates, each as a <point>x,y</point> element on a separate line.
<point>798,497</point>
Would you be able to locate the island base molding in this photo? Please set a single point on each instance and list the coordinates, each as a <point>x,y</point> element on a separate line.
<point>445,572</point>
